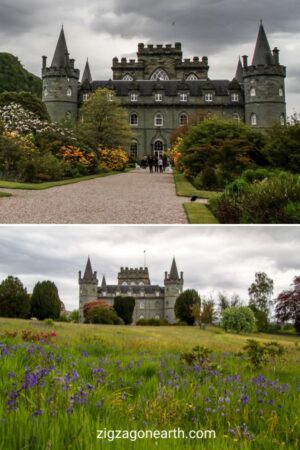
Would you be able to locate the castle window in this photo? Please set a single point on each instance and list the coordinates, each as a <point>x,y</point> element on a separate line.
<point>85,97</point>
<point>141,316</point>
<point>134,151</point>
<point>252,92</point>
<point>280,92</point>
<point>69,92</point>
<point>157,317</point>
<point>142,305</point>
<point>158,97</point>
<point>253,119</point>
<point>157,293</point>
<point>127,77</point>
<point>160,75</point>
<point>45,92</point>
<point>134,121</point>
<point>183,119</point>
<point>282,119</point>
<point>183,97</point>
<point>158,120</point>
<point>134,97</point>
<point>158,148</point>
<point>208,97</point>
<point>124,283</point>
<point>110,97</point>
<point>192,77</point>
<point>234,97</point>
<point>104,294</point>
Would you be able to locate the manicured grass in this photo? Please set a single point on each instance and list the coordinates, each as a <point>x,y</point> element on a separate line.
<point>199,213</point>
<point>50,184</point>
<point>57,394</point>
<point>5,194</point>
<point>185,189</point>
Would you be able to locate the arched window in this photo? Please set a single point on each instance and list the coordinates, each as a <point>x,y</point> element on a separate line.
<point>192,77</point>
<point>127,77</point>
<point>158,146</point>
<point>253,119</point>
<point>157,317</point>
<point>69,92</point>
<point>159,74</point>
<point>134,151</point>
<point>134,119</point>
<point>45,92</point>
<point>158,120</point>
<point>183,119</point>
<point>252,92</point>
<point>124,283</point>
<point>280,92</point>
<point>141,316</point>
<point>282,119</point>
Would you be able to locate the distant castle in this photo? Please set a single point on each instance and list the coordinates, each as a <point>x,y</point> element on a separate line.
<point>162,91</point>
<point>151,300</point>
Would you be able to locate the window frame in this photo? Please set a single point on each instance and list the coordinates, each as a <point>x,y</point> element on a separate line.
<point>209,97</point>
<point>134,123</point>
<point>134,97</point>
<point>156,118</point>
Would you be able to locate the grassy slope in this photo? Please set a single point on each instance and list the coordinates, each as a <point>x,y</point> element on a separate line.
<point>5,194</point>
<point>197,213</point>
<point>185,189</point>
<point>39,186</point>
<point>151,338</point>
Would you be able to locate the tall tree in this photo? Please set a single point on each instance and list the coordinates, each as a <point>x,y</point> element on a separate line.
<point>184,305</point>
<point>14,300</point>
<point>103,122</point>
<point>45,301</point>
<point>287,305</point>
<point>260,293</point>
<point>124,307</point>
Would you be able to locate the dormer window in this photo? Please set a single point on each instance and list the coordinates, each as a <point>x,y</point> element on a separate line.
<point>234,97</point>
<point>69,92</point>
<point>183,97</point>
<point>134,97</point>
<point>208,97</point>
<point>252,92</point>
<point>85,97</point>
<point>159,75</point>
<point>127,77</point>
<point>158,97</point>
<point>192,77</point>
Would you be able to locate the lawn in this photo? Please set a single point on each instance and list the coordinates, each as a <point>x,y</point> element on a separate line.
<point>56,393</point>
<point>185,189</point>
<point>50,184</point>
<point>5,194</point>
<point>197,213</point>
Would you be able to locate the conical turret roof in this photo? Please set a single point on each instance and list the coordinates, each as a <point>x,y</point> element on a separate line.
<point>262,54</point>
<point>87,73</point>
<point>59,58</point>
<point>239,72</point>
<point>103,284</point>
<point>88,273</point>
<point>174,272</point>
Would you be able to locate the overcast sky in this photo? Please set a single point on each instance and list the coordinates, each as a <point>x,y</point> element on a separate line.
<point>213,259</point>
<point>102,29</point>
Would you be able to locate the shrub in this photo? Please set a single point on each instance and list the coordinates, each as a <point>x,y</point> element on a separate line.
<point>28,101</point>
<point>259,355</point>
<point>283,147</point>
<point>151,322</point>
<point>124,307</point>
<point>184,304</point>
<point>272,200</point>
<point>113,159</point>
<point>101,314</point>
<point>207,178</point>
<point>199,356</point>
<point>239,320</point>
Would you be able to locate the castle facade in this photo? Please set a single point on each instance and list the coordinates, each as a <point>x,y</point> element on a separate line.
<point>151,300</point>
<point>162,91</point>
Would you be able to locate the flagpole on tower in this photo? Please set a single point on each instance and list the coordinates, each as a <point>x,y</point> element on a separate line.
<point>144,259</point>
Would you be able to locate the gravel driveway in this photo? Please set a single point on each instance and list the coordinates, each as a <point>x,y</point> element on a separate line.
<point>134,197</point>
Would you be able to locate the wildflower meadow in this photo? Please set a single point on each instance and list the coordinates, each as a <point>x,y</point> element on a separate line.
<point>60,383</point>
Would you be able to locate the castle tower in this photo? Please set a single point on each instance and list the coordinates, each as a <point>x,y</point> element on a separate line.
<point>264,85</point>
<point>88,286</point>
<point>173,287</point>
<point>60,84</point>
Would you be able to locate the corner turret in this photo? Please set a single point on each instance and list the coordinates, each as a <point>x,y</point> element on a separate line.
<point>60,83</point>
<point>173,287</point>
<point>88,286</point>
<point>264,85</point>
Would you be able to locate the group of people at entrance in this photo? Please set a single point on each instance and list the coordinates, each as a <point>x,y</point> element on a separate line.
<point>156,164</point>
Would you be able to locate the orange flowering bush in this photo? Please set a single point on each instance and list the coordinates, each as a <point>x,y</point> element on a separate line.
<point>113,159</point>
<point>174,154</point>
<point>77,159</point>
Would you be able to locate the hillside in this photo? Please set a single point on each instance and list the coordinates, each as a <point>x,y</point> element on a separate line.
<point>13,76</point>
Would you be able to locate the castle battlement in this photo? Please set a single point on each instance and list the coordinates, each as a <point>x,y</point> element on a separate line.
<point>150,48</point>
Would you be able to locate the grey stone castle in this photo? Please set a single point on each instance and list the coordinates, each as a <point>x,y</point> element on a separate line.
<point>162,91</point>
<point>151,300</point>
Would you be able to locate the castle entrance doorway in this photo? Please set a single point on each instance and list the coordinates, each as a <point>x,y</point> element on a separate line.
<point>158,148</point>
